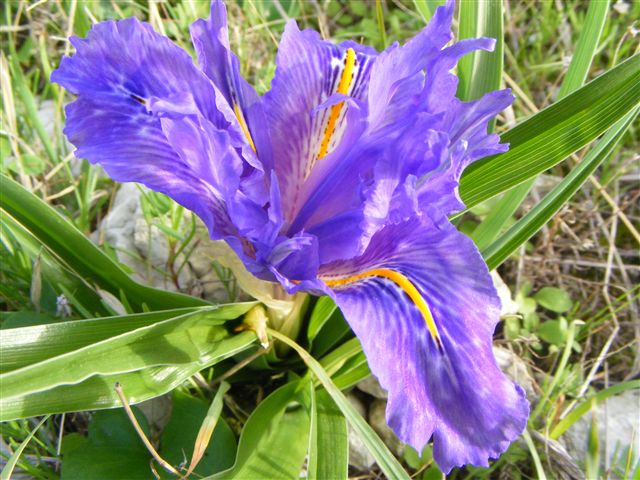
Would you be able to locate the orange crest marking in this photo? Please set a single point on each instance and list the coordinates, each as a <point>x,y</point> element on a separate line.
<point>407,287</point>
<point>343,88</point>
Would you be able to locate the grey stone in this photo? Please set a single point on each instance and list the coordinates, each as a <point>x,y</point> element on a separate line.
<point>516,369</point>
<point>371,386</point>
<point>157,411</point>
<point>378,422</point>
<point>142,248</point>
<point>359,456</point>
<point>618,422</point>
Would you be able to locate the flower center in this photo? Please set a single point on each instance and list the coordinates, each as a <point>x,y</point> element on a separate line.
<point>407,287</point>
<point>343,88</point>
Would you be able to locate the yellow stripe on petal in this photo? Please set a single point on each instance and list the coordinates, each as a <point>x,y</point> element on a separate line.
<point>343,88</point>
<point>407,287</point>
<point>243,125</point>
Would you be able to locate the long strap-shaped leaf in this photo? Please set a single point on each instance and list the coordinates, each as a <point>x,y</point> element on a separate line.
<point>550,136</point>
<point>386,461</point>
<point>528,225</point>
<point>25,346</point>
<point>149,358</point>
<point>480,72</point>
<point>79,253</point>
<point>586,47</point>
<point>579,67</point>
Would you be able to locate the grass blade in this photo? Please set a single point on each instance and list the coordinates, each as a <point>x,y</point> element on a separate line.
<point>207,428</point>
<point>528,225</point>
<point>487,231</point>
<point>550,136</point>
<point>79,253</point>
<point>480,72</point>
<point>385,459</point>
<point>13,460</point>
<point>585,406</point>
<point>586,47</point>
<point>490,227</point>
<point>427,8</point>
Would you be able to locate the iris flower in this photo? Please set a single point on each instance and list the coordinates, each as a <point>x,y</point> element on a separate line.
<point>338,181</point>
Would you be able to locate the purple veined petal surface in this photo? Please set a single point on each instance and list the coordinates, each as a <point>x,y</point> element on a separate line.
<point>457,394</point>
<point>468,142</point>
<point>211,41</point>
<point>394,80</point>
<point>129,79</point>
<point>308,73</point>
<point>398,76</point>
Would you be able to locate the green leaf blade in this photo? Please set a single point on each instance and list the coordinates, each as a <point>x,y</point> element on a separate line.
<point>78,252</point>
<point>480,72</point>
<point>586,47</point>
<point>548,137</point>
<point>528,225</point>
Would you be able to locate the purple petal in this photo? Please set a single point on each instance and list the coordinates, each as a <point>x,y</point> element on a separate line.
<point>457,394</point>
<point>121,73</point>
<point>336,238</point>
<point>397,75</point>
<point>308,71</point>
<point>469,141</point>
<point>129,63</point>
<point>211,41</point>
<point>147,114</point>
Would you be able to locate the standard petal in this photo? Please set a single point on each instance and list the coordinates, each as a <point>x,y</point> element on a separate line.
<point>397,75</point>
<point>129,63</point>
<point>468,141</point>
<point>308,72</point>
<point>455,392</point>
<point>211,41</point>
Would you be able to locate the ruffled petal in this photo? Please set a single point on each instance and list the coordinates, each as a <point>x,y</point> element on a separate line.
<point>308,72</point>
<point>211,41</point>
<point>468,141</point>
<point>398,76</point>
<point>455,392</point>
<point>133,85</point>
<point>444,136</point>
<point>130,64</point>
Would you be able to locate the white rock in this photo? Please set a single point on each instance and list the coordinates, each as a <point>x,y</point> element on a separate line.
<point>359,456</point>
<point>516,369</point>
<point>208,282</point>
<point>127,231</point>
<point>618,423</point>
<point>509,306</point>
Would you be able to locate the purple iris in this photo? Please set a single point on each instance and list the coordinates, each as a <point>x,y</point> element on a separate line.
<point>338,182</point>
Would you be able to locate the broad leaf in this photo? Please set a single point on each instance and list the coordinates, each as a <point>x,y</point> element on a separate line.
<point>385,459</point>
<point>274,441</point>
<point>147,361</point>
<point>329,450</point>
